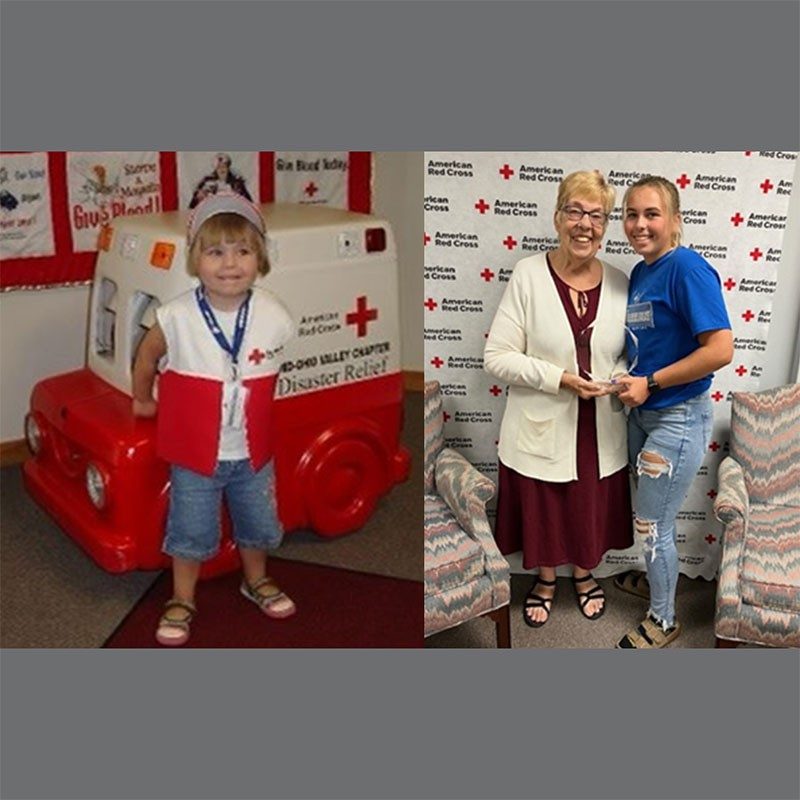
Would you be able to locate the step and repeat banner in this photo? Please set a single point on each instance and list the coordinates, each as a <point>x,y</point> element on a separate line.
<point>52,205</point>
<point>485,211</point>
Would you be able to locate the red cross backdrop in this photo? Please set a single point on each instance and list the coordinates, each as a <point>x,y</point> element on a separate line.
<point>486,211</point>
<point>53,205</point>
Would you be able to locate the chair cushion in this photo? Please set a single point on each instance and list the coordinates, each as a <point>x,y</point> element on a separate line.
<point>452,558</point>
<point>451,608</point>
<point>770,576</point>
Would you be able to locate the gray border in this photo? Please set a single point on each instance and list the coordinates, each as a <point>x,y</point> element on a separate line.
<point>401,75</point>
<point>396,723</point>
<point>354,724</point>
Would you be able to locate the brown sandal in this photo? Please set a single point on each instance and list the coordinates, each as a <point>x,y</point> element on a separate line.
<point>633,582</point>
<point>649,635</point>
<point>266,599</point>
<point>168,623</point>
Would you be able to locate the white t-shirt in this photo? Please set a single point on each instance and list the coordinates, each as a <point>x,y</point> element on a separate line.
<point>232,439</point>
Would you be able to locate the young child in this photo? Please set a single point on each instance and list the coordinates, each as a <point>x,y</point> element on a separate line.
<point>221,345</point>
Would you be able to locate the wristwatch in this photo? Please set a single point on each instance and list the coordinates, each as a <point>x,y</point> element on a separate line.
<point>652,384</point>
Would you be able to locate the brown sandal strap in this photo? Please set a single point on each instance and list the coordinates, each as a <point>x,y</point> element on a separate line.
<point>265,581</point>
<point>261,598</point>
<point>180,624</point>
<point>175,603</point>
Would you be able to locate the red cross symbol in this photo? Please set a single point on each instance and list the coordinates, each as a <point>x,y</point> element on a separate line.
<point>748,315</point>
<point>714,446</point>
<point>426,239</point>
<point>683,181</point>
<point>482,206</point>
<point>506,172</point>
<point>510,242</point>
<point>737,219</point>
<point>756,254</point>
<point>767,185</point>
<point>496,390</point>
<point>712,494</point>
<point>361,316</point>
<point>741,370</point>
<point>437,362</point>
<point>717,396</point>
<point>487,274</point>
<point>710,539</point>
<point>445,415</point>
<point>311,189</point>
<point>256,356</point>
<point>729,284</point>
<point>430,304</point>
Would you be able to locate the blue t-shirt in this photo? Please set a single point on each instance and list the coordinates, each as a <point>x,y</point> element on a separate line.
<point>671,302</point>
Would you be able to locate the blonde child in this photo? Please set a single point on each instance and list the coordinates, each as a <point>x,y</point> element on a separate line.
<point>218,348</point>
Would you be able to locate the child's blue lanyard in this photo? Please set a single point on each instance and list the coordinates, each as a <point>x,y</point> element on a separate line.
<point>238,333</point>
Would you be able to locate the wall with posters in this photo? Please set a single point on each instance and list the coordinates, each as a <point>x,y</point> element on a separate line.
<point>485,211</point>
<point>44,331</point>
<point>52,205</point>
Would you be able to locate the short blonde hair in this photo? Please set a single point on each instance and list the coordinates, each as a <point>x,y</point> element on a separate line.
<point>227,228</point>
<point>669,195</point>
<point>590,184</point>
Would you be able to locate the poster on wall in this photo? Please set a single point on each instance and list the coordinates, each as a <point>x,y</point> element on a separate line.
<point>201,174</point>
<point>311,178</point>
<point>26,219</point>
<point>102,186</point>
<point>486,211</point>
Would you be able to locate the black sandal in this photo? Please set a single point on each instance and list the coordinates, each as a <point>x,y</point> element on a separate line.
<point>533,600</point>
<point>595,593</point>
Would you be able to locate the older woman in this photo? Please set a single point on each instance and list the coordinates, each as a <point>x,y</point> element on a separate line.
<point>558,338</point>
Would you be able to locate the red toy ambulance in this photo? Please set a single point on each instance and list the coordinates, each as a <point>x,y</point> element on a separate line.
<point>339,396</point>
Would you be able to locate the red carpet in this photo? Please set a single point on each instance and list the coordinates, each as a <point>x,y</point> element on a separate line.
<point>335,608</point>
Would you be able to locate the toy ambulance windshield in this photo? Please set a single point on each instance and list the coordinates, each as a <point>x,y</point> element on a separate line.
<point>339,394</point>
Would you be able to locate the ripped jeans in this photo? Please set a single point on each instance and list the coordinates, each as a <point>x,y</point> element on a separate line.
<point>666,448</point>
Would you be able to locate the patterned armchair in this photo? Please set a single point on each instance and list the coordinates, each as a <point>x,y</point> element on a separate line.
<point>465,575</point>
<point>758,595</point>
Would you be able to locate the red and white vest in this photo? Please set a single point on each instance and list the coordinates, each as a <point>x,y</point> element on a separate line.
<point>191,382</point>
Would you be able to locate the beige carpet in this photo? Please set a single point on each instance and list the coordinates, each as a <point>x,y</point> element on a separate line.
<point>567,628</point>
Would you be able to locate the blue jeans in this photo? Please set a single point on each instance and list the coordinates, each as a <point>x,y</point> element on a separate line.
<point>193,524</point>
<point>678,436</point>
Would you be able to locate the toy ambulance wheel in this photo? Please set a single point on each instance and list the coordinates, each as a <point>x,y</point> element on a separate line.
<point>344,480</point>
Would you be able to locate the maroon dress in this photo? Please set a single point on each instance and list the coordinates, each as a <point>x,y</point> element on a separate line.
<point>574,522</point>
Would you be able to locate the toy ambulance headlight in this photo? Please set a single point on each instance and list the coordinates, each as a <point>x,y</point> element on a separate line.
<point>96,485</point>
<point>33,434</point>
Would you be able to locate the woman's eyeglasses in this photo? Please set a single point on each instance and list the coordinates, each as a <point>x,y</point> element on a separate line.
<point>575,214</point>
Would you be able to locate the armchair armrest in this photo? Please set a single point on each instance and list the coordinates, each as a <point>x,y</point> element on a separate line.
<point>459,483</point>
<point>732,501</point>
<point>466,492</point>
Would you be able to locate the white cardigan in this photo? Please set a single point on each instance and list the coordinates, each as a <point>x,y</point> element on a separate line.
<point>530,345</point>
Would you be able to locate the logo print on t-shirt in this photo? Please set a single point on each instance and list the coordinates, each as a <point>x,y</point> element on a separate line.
<point>640,316</point>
